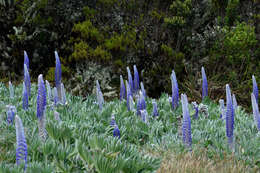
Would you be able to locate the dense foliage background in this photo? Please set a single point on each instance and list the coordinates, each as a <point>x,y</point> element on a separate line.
<point>98,39</point>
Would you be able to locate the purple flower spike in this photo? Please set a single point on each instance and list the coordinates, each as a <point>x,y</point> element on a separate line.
<point>143,90</point>
<point>11,90</point>
<point>222,109</point>
<point>26,60</point>
<point>255,111</point>
<point>136,79</point>
<point>27,80</point>
<point>130,80</point>
<point>230,114</point>
<point>255,88</point>
<point>100,97</point>
<point>41,98</point>
<point>113,121</point>
<point>196,108</point>
<point>204,83</point>
<point>128,95</point>
<point>58,74</point>
<point>186,122</point>
<point>21,146</point>
<point>11,110</point>
<point>122,89</point>
<point>63,95</point>
<point>155,109</point>
<point>143,103</point>
<point>25,98</point>
<point>144,115</point>
<point>55,96</point>
<point>175,91</point>
<point>116,132</point>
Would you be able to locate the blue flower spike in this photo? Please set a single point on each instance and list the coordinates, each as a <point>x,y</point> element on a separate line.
<point>27,80</point>
<point>230,114</point>
<point>256,113</point>
<point>204,84</point>
<point>25,97</point>
<point>55,96</point>
<point>116,132</point>
<point>155,108</point>
<point>186,122</point>
<point>11,110</point>
<point>63,95</point>
<point>144,115</point>
<point>112,121</point>
<point>26,60</point>
<point>143,90</point>
<point>41,106</point>
<point>21,146</point>
<point>128,95</point>
<point>122,89</point>
<point>255,89</point>
<point>130,80</point>
<point>175,91</point>
<point>58,74</point>
<point>196,108</point>
<point>136,80</point>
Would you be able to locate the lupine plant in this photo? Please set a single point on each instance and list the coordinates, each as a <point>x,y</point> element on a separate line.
<point>128,95</point>
<point>26,60</point>
<point>175,91</point>
<point>204,83</point>
<point>116,131</point>
<point>186,122</point>
<point>55,96</point>
<point>143,90</point>
<point>130,80</point>
<point>155,108</point>
<point>255,88</point>
<point>58,74</point>
<point>11,90</point>
<point>136,80</point>
<point>112,121</point>
<point>230,114</point>
<point>196,108</point>
<point>21,146</point>
<point>10,112</point>
<point>41,106</point>
<point>27,80</point>
<point>122,89</point>
<point>256,113</point>
<point>25,97</point>
<point>144,115</point>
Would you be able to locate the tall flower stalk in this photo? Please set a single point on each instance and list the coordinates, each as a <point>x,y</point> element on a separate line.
<point>58,74</point>
<point>204,83</point>
<point>25,97</point>
<point>27,80</point>
<point>41,105</point>
<point>63,95</point>
<point>234,100</point>
<point>11,110</point>
<point>122,89</point>
<point>230,114</point>
<point>26,60</point>
<point>136,80</point>
<point>130,80</point>
<point>175,91</point>
<point>143,90</point>
<point>21,146</point>
<point>255,89</point>
<point>222,109</point>
<point>186,122</point>
<point>128,95</point>
<point>49,92</point>
<point>255,111</point>
<point>155,108</point>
